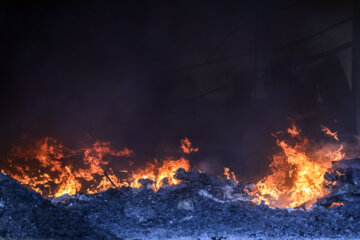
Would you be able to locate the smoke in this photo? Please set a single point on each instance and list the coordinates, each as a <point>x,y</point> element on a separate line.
<point>111,72</point>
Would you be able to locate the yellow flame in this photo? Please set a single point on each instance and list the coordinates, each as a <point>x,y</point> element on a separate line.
<point>297,176</point>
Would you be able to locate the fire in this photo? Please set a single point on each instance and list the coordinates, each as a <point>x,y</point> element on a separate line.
<point>48,167</point>
<point>336,155</point>
<point>186,146</point>
<point>293,131</point>
<point>158,173</point>
<point>230,175</point>
<point>327,131</point>
<point>336,204</point>
<point>297,176</point>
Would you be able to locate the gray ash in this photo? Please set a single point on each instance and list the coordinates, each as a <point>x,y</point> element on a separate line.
<point>200,207</point>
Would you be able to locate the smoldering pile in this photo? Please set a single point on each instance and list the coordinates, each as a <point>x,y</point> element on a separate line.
<point>344,184</point>
<point>201,206</point>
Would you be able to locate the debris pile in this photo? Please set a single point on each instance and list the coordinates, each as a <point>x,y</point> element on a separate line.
<point>344,185</point>
<point>201,206</point>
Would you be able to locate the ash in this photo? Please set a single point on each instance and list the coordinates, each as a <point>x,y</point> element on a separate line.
<point>201,207</point>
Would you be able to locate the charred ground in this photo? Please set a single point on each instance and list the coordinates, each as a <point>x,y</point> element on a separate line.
<point>202,206</point>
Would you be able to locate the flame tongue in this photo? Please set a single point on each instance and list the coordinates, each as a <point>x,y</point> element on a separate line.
<point>297,176</point>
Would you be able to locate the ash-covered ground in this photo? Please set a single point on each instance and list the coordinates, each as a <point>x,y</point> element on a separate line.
<point>201,207</point>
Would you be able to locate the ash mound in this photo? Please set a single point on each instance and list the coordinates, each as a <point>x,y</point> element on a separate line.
<point>201,206</point>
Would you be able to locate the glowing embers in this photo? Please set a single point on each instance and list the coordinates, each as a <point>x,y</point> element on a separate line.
<point>297,173</point>
<point>336,204</point>
<point>51,169</point>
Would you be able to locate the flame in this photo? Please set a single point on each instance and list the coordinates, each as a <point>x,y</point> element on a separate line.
<point>48,167</point>
<point>328,132</point>
<point>230,175</point>
<point>336,204</point>
<point>336,155</point>
<point>159,172</point>
<point>186,147</point>
<point>293,131</point>
<point>297,176</point>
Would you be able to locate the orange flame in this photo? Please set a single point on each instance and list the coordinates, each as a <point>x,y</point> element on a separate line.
<point>336,155</point>
<point>230,175</point>
<point>297,176</point>
<point>293,131</point>
<point>186,147</point>
<point>158,173</point>
<point>336,204</point>
<point>51,169</point>
<point>328,132</point>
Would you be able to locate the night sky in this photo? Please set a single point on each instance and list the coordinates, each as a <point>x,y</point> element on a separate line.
<point>127,73</point>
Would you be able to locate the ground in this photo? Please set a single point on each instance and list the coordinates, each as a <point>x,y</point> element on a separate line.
<point>198,208</point>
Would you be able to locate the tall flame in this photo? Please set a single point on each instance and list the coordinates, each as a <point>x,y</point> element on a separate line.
<point>297,175</point>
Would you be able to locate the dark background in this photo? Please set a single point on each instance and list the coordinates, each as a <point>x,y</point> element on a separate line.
<point>144,74</point>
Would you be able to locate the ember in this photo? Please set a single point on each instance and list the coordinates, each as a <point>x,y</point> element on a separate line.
<point>336,204</point>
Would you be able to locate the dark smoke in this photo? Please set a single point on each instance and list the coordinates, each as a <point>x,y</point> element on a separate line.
<point>127,73</point>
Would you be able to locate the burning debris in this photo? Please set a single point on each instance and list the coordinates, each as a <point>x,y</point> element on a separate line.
<point>308,193</point>
<point>50,168</point>
<point>344,186</point>
<point>200,205</point>
<point>297,176</point>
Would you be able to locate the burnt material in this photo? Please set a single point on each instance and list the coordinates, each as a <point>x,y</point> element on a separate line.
<point>25,214</point>
<point>202,206</point>
<point>344,184</point>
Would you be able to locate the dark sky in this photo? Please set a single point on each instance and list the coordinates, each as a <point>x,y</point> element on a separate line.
<point>111,71</point>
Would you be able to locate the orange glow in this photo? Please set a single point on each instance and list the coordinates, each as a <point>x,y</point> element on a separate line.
<point>297,175</point>
<point>51,169</point>
<point>336,204</point>
<point>328,132</point>
<point>230,175</point>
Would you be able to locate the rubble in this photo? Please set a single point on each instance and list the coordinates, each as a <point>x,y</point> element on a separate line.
<point>186,204</point>
<point>344,184</point>
<point>201,205</point>
<point>25,214</point>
